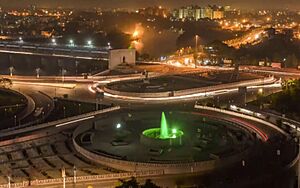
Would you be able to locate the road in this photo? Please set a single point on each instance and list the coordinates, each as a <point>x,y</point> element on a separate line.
<point>43,103</point>
<point>194,94</point>
<point>254,37</point>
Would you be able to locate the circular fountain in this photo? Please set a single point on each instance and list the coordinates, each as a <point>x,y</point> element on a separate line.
<point>162,137</point>
<point>133,140</point>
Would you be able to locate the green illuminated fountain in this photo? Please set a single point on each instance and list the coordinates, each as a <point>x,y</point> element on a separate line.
<point>163,133</point>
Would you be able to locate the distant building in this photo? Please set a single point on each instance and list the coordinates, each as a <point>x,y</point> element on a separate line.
<point>207,13</point>
<point>230,13</point>
<point>218,14</point>
<point>197,13</point>
<point>155,11</point>
<point>227,63</point>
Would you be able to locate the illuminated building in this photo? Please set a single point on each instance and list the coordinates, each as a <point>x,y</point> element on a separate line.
<point>197,13</point>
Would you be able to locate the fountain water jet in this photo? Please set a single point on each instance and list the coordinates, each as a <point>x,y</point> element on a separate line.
<point>162,137</point>
<point>164,132</point>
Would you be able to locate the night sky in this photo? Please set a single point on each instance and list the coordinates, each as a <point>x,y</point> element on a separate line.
<point>243,4</point>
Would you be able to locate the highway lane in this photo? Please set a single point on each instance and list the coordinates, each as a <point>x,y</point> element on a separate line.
<point>80,79</point>
<point>83,91</point>
<point>43,103</point>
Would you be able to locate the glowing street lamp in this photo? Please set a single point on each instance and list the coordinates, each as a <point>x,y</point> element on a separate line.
<point>118,126</point>
<point>21,40</point>
<point>71,42</point>
<point>196,42</point>
<point>53,41</point>
<point>90,43</point>
<point>196,50</point>
<point>9,184</point>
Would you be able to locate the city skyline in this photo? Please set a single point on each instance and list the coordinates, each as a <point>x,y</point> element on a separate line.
<point>149,93</point>
<point>256,4</point>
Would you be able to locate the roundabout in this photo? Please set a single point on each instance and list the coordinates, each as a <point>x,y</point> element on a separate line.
<point>171,141</point>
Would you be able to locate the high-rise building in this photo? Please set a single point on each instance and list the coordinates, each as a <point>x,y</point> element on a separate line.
<point>197,13</point>
<point>218,14</point>
<point>208,12</point>
<point>181,13</point>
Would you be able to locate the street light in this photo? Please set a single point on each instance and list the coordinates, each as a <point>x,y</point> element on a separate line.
<point>118,126</point>
<point>196,50</point>
<point>64,109</point>
<point>196,43</point>
<point>21,40</point>
<point>53,40</point>
<point>63,174</point>
<point>90,43</point>
<point>71,42</point>
<point>8,177</point>
<point>109,45</point>
<point>79,108</point>
<point>11,69</point>
<point>76,66</point>
<point>74,174</point>
<point>63,72</point>
<point>38,72</point>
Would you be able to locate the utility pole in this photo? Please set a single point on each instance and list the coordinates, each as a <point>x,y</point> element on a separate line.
<point>99,96</point>
<point>63,174</point>
<point>37,72</point>
<point>8,177</point>
<point>196,50</point>
<point>74,174</point>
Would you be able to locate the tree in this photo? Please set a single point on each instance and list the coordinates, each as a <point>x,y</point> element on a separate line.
<point>292,61</point>
<point>5,82</point>
<point>131,183</point>
<point>149,184</point>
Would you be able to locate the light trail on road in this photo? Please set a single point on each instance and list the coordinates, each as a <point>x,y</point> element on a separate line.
<point>182,97</point>
<point>75,121</point>
<point>51,55</point>
<point>60,85</point>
